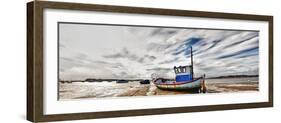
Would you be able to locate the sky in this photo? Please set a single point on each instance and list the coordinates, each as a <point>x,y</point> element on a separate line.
<point>134,52</point>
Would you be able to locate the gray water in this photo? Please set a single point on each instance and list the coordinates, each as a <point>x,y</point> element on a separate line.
<point>234,80</point>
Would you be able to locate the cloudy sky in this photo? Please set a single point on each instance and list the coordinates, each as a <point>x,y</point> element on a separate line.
<point>130,52</point>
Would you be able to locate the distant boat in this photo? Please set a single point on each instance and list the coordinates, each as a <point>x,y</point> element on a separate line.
<point>145,82</point>
<point>122,81</point>
<point>184,80</point>
<point>91,80</point>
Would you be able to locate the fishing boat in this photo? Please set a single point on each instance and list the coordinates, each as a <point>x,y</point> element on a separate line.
<point>184,79</point>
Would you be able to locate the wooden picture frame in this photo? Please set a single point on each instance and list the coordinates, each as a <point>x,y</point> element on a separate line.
<point>35,62</point>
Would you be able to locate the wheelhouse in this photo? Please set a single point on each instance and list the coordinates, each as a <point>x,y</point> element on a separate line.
<point>183,73</point>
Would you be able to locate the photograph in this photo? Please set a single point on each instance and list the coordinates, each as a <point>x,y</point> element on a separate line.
<point>110,60</point>
<point>91,60</point>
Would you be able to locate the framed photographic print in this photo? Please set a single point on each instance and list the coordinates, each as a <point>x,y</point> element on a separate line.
<point>96,61</point>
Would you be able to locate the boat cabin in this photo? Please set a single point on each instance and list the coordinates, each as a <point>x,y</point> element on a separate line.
<point>183,73</point>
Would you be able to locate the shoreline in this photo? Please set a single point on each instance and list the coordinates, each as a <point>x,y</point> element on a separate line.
<point>82,90</point>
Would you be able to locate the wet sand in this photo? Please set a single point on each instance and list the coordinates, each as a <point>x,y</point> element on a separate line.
<point>82,90</point>
<point>231,87</point>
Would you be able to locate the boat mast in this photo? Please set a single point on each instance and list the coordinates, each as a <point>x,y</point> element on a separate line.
<point>191,58</point>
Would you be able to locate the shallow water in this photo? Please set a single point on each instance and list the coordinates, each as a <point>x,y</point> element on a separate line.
<point>233,80</point>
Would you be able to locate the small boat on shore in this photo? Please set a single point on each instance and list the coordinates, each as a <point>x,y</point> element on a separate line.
<point>184,80</point>
<point>145,82</point>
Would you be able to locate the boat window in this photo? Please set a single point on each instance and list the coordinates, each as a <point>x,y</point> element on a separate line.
<point>182,69</point>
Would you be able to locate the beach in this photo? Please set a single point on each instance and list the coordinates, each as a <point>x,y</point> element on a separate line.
<point>85,90</point>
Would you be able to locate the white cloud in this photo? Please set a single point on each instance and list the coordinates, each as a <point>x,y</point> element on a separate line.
<point>104,51</point>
